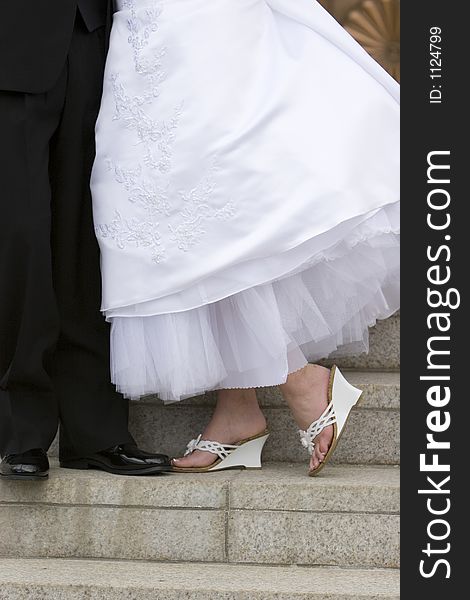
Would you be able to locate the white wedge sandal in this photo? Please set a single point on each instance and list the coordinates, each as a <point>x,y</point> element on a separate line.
<point>244,455</point>
<point>342,396</point>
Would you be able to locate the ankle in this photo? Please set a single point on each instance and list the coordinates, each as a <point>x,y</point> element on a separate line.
<point>237,416</point>
<point>236,405</point>
<point>300,383</point>
<point>306,393</point>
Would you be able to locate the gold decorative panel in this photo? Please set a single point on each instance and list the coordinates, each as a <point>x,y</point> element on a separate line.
<point>375,24</point>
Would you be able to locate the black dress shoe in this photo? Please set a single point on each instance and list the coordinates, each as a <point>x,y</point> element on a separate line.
<point>126,459</point>
<point>27,466</point>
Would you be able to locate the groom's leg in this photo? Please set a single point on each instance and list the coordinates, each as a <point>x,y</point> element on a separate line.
<point>29,322</point>
<point>93,415</point>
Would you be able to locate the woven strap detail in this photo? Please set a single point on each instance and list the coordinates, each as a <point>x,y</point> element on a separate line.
<point>328,417</point>
<point>222,450</point>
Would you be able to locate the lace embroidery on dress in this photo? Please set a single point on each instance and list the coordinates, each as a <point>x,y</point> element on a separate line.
<point>165,136</point>
<point>143,192</point>
<point>143,234</point>
<point>140,27</point>
<point>157,139</point>
<point>197,211</point>
<point>154,135</point>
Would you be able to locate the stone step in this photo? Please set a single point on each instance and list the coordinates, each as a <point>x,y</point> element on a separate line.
<point>347,516</point>
<point>59,579</point>
<point>384,349</point>
<point>371,436</point>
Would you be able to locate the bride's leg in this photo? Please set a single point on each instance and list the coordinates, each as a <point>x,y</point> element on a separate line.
<point>237,416</point>
<point>306,393</point>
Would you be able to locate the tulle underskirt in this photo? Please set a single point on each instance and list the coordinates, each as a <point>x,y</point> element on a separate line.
<point>256,337</point>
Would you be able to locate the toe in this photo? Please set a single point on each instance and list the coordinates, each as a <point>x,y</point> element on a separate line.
<point>196,459</point>
<point>322,448</point>
<point>180,462</point>
<point>186,461</point>
<point>319,454</point>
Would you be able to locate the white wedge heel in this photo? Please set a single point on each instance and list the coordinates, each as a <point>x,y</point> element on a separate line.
<point>244,455</point>
<point>342,396</point>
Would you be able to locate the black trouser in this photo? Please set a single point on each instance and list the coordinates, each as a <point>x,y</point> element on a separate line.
<point>54,343</point>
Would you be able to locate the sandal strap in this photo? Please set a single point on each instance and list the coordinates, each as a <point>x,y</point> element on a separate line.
<point>327,418</point>
<point>221,450</point>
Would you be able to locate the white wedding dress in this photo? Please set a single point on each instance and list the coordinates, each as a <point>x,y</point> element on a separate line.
<point>245,193</point>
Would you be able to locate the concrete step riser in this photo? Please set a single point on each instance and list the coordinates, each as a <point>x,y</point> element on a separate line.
<point>263,537</point>
<point>371,436</point>
<point>384,349</point>
<point>101,580</point>
<point>274,516</point>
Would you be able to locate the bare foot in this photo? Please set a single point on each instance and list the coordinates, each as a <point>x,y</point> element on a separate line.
<point>237,416</point>
<point>306,393</point>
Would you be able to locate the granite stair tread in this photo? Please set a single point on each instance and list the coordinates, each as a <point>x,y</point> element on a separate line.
<point>72,579</point>
<point>351,514</point>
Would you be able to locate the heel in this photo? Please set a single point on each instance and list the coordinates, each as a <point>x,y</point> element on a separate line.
<point>247,455</point>
<point>342,396</point>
